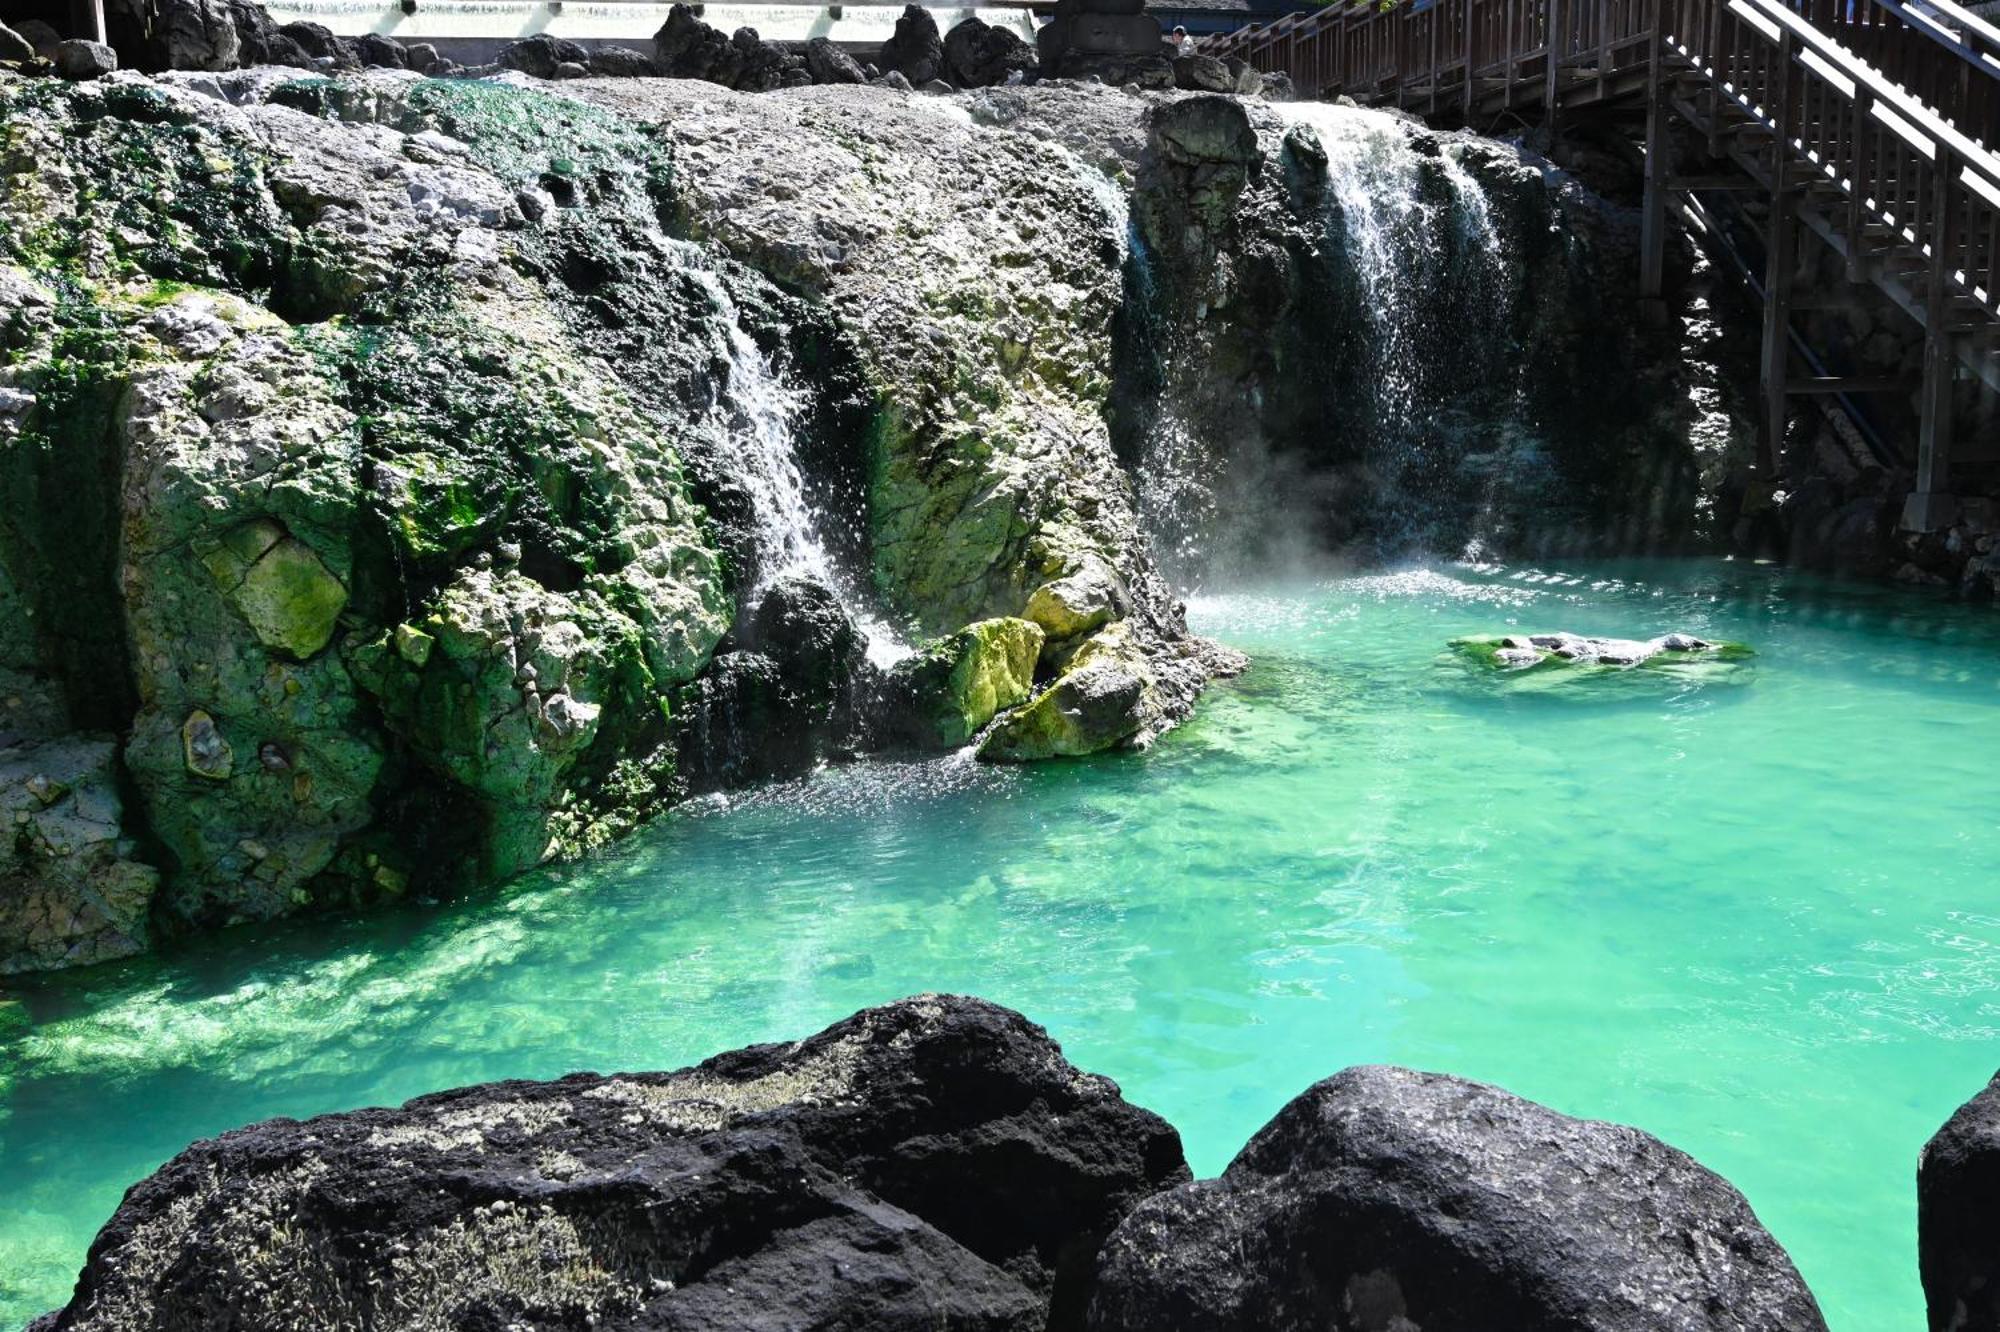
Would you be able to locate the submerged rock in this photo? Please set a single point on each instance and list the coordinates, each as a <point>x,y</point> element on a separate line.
<point>934,1163</point>
<point>1385,1199</point>
<point>1958,1223</point>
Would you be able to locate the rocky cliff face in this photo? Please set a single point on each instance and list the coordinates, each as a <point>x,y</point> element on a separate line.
<point>413,480</point>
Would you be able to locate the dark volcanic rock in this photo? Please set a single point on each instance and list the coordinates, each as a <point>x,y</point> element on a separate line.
<point>379,52</point>
<point>79,59</point>
<point>915,51</point>
<point>687,48</point>
<point>934,1163</point>
<point>14,47</point>
<point>194,34</point>
<point>540,54</point>
<point>622,62</point>
<point>829,64</point>
<point>320,43</point>
<point>801,625</point>
<point>1384,1198</point>
<point>1200,73</point>
<point>979,55</point>
<point>262,42</point>
<point>1958,1224</point>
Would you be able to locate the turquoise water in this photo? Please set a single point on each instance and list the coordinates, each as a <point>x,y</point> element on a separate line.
<point>1755,916</point>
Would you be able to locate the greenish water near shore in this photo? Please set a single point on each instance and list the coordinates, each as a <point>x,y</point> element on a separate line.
<point>1752,913</point>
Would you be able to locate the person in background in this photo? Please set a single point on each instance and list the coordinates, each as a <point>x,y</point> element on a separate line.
<point>1183,44</point>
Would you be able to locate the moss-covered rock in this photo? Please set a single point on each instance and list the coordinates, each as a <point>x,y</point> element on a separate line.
<point>946,694</point>
<point>1099,702</point>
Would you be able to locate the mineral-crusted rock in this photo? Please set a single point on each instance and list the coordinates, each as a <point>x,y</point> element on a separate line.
<point>72,888</point>
<point>915,51</point>
<point>1384,1198</point>
<point>932,1163</point>
<point>947,693</point>
<point>1958,1251</point>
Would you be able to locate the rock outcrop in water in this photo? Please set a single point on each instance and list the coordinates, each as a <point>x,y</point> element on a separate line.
<point>935,1163</point>
<point>1958,1226</point>
<point>1385,1199</point>
<point>393,465</point>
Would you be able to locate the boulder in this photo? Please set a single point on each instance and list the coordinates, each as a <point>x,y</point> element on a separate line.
<point>979,55</point>
<point>829,64</point>
<point>1958,1225</point>
<point>1203,154</point>
<point>761,65</point>
<point>14,48</point>
<point>894,81</point>
<point>259,41</point>
<point>947,693</point>
<point>318,42</point>
<point>379,52</point>
<point>1201,73</point>
<point>540,54</point>
<point>915,51</point>
<point>422,57</point>
<point>80,59</point>
<point>1249,82</point>
<point>1079,603</point>
<point>41,36</point>
<point>195,34</point>
<point>622,62</point>
<point>687,48</point>
<point>933,1163</point>
<point>802,625</point>
<point>1519,652</point>
<point>1384,1198</point>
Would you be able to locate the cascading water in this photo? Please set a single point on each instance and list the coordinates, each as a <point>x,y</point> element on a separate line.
<point>757,412</point>
<point>1415,233</point>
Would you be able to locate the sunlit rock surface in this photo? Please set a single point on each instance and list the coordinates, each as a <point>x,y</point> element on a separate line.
<point>932,1163</point>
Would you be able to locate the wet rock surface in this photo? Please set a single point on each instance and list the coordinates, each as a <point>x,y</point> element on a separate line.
<point>934,1163</point>
<point>1384,1199</point>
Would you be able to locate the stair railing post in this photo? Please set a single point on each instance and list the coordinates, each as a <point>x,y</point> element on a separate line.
<point>1551,79</point>
<point>1653,217</point>
<point>1779,260</point>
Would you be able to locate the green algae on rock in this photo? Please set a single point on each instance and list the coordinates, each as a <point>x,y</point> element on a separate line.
<point>956,685</point>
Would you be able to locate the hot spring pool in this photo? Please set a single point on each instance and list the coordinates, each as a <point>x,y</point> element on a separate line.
<point>1759,918</point>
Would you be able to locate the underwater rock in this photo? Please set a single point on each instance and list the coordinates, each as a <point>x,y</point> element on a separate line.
<point>945,694</point>
<point>1958,1226</point>
<point>932,1163</point>
<point>72,888</point>
<point>1385,1198</point>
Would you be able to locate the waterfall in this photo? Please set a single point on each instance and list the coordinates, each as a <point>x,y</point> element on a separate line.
<point>757,412</point>
<point>1410,231</point>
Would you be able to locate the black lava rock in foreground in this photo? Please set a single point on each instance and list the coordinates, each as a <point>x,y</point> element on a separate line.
<point>1958,1221</point>
<point>1384,1199</point>
<point>932,1164</point>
